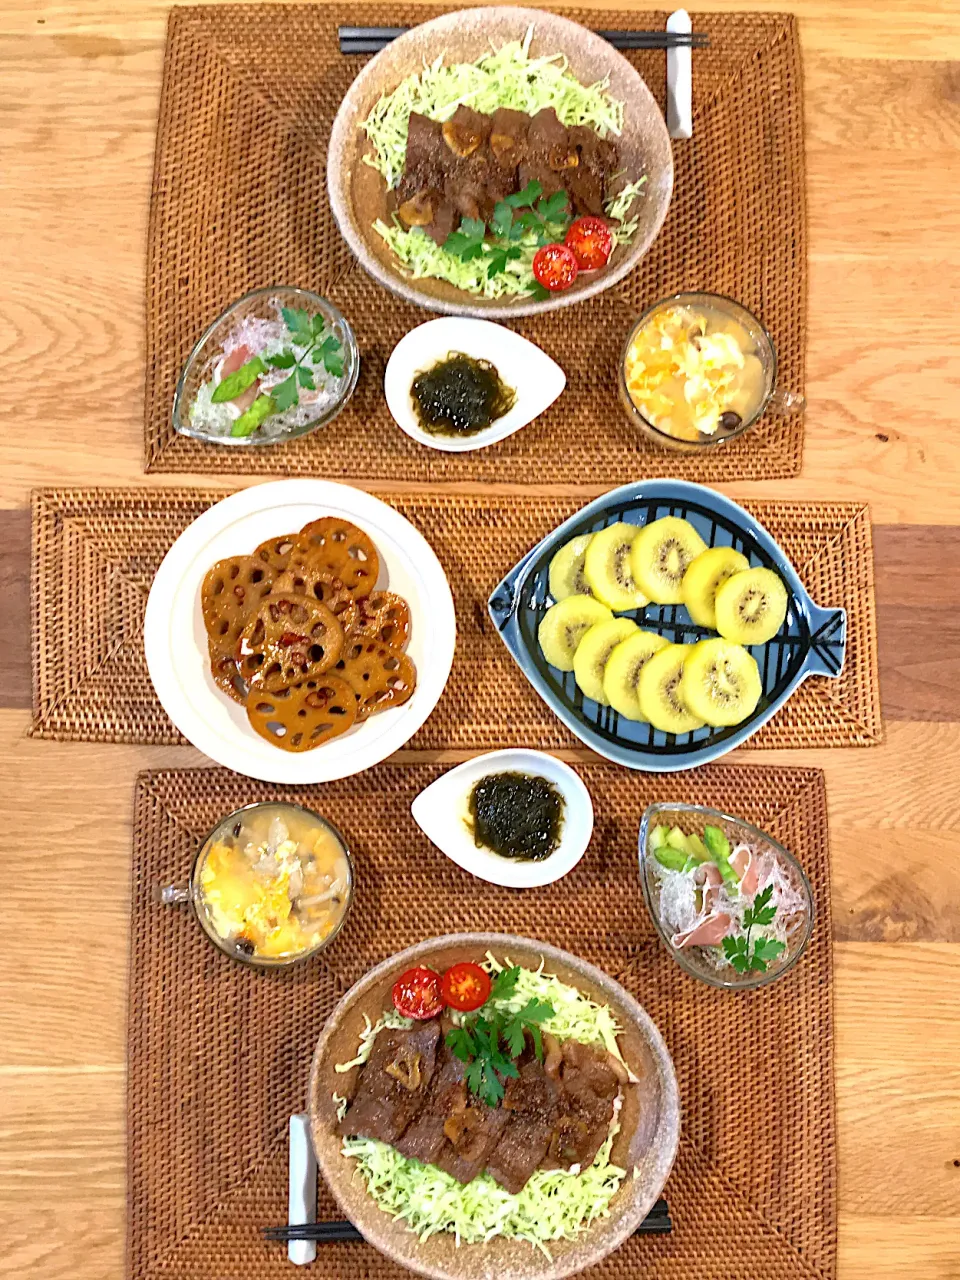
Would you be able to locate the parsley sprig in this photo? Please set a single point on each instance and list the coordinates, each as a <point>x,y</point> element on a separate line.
<point>524,214</point>
<point>488,1040</point>
<point>305,331</point>
<point>738,950</point>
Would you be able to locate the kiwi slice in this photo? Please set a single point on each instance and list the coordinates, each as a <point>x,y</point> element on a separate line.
<point>606,567</point>
<point>658,691</point>
<point>623,671</point>
<point>660,556</point>
<point>704,574</point>
<point>721,682</point>
<point>563,626</point>
<point>751,606</point>
<point>593,653</point>
<point>566,569</point>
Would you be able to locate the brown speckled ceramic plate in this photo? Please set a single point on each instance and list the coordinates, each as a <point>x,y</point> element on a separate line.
<point>647,1142</point>
<point>357,191</point>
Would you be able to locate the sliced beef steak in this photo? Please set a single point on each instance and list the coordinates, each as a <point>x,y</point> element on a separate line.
<point>393,1083</point>
<point>424,1139</point>
<point>532,1102</point>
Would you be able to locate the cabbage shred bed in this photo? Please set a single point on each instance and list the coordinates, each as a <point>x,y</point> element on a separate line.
<point>505,77</point>
<point>555,1204</point>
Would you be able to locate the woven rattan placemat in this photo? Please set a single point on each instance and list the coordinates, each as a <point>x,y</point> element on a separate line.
<point>219,1054</point>
<point>239,200</point>
<point>95,552</point>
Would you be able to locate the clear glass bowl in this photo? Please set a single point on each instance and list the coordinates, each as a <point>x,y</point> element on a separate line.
<point>199,366</point>
<point>192,893</point>
<point>691,818</point>
<point>773,399</point>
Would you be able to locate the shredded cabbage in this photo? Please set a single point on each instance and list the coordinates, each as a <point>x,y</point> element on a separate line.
<point>575,1016</point>
<point>618,207</point>
<point>505,77</point>
<point>391,1018</point>
<point>554,1205</point>
<point>423,257</point>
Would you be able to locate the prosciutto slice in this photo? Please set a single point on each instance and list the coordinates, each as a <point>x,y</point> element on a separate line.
<point>707,932</point>
<point>745,866</point>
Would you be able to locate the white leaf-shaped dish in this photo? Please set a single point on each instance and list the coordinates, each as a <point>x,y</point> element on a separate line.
<point>536,378</point>
<point>440,812</point>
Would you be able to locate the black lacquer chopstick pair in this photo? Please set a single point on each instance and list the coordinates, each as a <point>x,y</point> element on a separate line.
<point>373,39</point>
<point>656,1223</point>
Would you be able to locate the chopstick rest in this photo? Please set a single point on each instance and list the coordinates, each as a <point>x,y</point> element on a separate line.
<point>679,80</point>
<point>302,1194</point>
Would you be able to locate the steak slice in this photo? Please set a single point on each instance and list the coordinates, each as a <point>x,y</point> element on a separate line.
<point>471,1131</point>
<point>532,1102</point>
<point>393,1083</point>
<point>589,1091</point>
<point>425,1139</point>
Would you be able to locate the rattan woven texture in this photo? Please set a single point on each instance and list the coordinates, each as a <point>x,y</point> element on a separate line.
<point>239,200</point>
<point>219,1053</point>
<point>95,552</point>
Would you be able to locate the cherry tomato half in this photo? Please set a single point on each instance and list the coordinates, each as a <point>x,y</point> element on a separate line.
<point>591,242</point>
<point>555,267</point>
<point>465,986</point>
<point>416,994</point>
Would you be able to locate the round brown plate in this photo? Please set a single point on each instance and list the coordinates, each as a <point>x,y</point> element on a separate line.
<point>647,1141</point>
<point>357,191</point>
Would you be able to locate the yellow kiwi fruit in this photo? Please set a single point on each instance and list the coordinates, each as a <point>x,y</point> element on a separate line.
<point>751,606</point>
<point>564,625</point>
<point>658,691</point>
<point>623,669</point>
<point>593,653</point>
<point>566,569</point>
<point>606,567</point>
<point>704,574</point>
<point>720,683</point>
<point>660,555</point>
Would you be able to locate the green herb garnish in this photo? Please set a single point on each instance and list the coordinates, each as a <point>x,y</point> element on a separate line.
<point>738,950</point>
<point>306,331</point>
<point>525,215</point>
<point>488,1040</point>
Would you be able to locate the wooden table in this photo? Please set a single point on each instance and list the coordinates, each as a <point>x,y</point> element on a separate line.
<point>80,87</point>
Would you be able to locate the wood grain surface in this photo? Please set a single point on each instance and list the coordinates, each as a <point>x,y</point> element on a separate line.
<point>77,118</point>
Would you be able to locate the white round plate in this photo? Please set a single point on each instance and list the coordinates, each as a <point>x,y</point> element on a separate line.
<point>536,379</point>
<point>440,811</point>
<point>176,643</point>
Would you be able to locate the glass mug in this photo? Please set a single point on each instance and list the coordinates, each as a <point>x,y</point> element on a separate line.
<point>227,831</point>
<point>772,399</point>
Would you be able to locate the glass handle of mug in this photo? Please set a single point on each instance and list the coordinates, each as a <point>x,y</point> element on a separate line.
<point>171,895</point>
<point>786,403</point>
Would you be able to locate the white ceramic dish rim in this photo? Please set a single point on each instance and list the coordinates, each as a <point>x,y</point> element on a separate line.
<point>244,751</point>
<point>483,340</point>
<point>575,833</point>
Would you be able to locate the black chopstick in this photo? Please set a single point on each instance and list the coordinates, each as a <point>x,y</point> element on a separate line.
<point>657,1222</point>
<point>373,39</point>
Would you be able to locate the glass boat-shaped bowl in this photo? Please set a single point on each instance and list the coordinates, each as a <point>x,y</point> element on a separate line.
<point>259,304</point>
<point>698,961</point>
<point>811,642</point>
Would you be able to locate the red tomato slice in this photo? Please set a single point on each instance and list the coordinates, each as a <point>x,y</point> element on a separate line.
<point>591,242</point>
<point>416,994</point>
<point>555,267</point>
<point>465,986</point>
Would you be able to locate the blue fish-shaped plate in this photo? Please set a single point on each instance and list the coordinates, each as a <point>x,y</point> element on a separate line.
<point>811,642</point>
